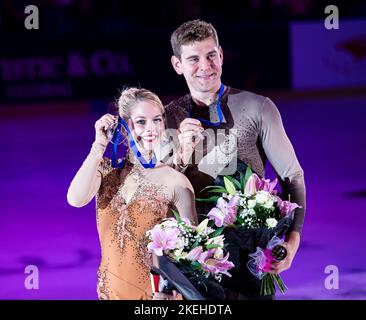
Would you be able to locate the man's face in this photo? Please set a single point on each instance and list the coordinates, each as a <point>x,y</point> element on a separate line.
<point>201,65</point>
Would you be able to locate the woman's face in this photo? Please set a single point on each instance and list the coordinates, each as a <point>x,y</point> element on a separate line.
<point>147,123</point>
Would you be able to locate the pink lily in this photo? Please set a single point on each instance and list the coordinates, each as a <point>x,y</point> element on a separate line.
<point>187,221</point>
<point>218,265</point>
<point>253,184</point>
<point>225,212</point>
<point>194,254</point>
<point>286,207</point>
<point>206,255</point>
<point>163,240</point>
<point>217,215</point>
<point>267,185</point>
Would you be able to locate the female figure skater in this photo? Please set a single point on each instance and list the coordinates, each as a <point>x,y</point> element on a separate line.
<point>131,198</point>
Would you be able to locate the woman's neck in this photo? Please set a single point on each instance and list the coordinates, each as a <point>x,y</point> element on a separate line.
<point>146,154</point>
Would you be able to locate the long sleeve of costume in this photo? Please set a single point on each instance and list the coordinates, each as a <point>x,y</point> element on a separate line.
<point>281,155</point>
<point>87,180</point>
<point>184,199</point>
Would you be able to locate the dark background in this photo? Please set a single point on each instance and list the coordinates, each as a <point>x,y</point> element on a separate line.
<point>130,44</point>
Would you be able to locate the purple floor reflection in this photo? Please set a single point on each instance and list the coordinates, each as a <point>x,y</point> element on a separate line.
<point>40,155</point>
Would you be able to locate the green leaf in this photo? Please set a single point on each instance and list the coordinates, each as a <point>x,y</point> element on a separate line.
<point>230,187</point>
<point>239,219</point>
<point>212,246</point>
<point>177,216</point>
<point>268,285</point>
<point>248,173</point>
<point>211,199</point>
<point>272,287</point>
<point>195,244</point>
<point>262,287</point>
<point>242,181</point>
<point>216,233</point>
<point>212,187</point>
<point>202,226</point>
<point>218,190</point>
<point>235,182</point>
<point>280,283</point>
<point>195,265</point>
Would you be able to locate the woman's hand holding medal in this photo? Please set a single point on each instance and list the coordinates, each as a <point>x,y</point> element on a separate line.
<point>104,128</point>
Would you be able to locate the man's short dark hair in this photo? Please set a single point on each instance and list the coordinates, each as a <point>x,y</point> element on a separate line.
<point>192,31</point>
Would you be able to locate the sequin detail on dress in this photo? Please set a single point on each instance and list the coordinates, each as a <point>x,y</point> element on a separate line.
<point>102,287</point>
<point>122,227</point>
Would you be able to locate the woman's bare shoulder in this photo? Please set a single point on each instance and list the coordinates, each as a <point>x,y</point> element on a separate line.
<point>174,177</point>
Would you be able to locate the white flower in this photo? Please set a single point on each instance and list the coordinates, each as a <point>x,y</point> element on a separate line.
<point>178,254</point>
<point>268,204</point>
<point>219,240</point>
<point>244,213</point>
<point>202,226</point>
<point>251,212</point>
<point>179,244</point>
<point>271,222</point>
<point>208,230</point>
<point>242,202</point>
<point>228,195</point>
<point>251,204</point>
<point>168,224</point>
<point>262,197</point>
<point>219,254</point>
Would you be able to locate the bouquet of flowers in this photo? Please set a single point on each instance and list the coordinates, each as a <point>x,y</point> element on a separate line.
<point>254,219</point>
<point>196,251</point>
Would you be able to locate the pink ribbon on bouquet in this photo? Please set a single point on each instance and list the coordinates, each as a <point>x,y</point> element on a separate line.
<point>261,260</point>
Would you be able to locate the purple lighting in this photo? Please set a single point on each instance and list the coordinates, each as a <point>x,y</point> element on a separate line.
<point>40,155</point>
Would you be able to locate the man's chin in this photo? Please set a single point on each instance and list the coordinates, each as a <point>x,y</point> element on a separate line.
<point>208,85</point>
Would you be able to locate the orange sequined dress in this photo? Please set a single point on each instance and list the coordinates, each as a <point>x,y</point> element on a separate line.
<point>130,201</point>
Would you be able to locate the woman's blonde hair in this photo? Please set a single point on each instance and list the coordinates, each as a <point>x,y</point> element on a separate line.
<point>129,97</point>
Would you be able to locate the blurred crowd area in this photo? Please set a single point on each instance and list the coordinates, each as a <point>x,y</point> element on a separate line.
<point>111,15</point>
